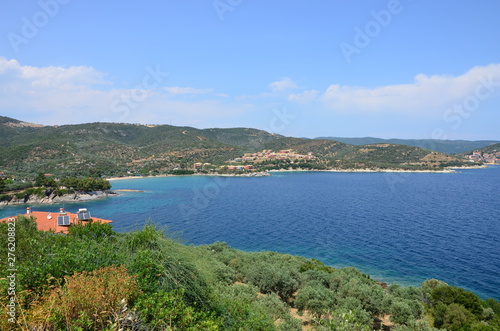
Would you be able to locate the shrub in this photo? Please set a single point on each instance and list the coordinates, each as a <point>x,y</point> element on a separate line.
<point>91,230</point>
<point>279,311</point>
<point>415,326</point>
<point>457,317</point>
<point>87,300</point>
<point>148,238</point>
<point>316,275</point>
<point>316,299</point>
<point>272,278</point>
<point>401,313</point>
<point>368,293</point>
<point>451,294</point>
<point>149,269</point>
<point>20,195</point>
<point>238,304</point>
<point>168,311</point>
<point>314,264</point>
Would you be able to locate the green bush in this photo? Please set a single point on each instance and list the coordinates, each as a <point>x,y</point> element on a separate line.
<point>457,317</point>
<point>401,313</point>
<point>238,304</point>
<point>316,299</point>
<point>274,278</point>
<point>168,311</point>
<point>450,294</point>
<point>316,276</point>
<point>20,195</point>
<point>86,184</point>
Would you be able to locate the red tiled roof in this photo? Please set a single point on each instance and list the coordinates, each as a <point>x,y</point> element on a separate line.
<point>47,221</point>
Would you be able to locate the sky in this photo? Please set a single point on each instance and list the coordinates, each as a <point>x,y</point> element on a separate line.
<point>391,69</point>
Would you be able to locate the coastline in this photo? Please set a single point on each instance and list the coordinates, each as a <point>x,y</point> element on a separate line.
<point>54,199</point>
<point>251,174</point>
<point>368,170</point>
<point>349,170</point>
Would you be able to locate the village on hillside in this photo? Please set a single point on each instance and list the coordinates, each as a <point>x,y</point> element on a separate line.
<point>490,158</point>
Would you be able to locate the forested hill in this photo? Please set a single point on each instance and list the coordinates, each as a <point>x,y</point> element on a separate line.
<point>94,149</point>
<point>495,148</point>
<point>438,145</point>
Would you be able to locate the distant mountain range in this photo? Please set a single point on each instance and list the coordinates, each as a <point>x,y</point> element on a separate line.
<point>116,148</point>
<point>443,146</point>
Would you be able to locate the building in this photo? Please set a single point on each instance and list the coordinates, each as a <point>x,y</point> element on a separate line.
<point>59,222</point>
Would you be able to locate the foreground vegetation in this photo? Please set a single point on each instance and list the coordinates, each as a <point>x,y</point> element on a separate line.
<point>96,279</point>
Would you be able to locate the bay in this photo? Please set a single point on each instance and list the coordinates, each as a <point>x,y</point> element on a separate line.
<point>398,227</point>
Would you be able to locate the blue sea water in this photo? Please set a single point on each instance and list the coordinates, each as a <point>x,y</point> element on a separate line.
<point>397,227</point>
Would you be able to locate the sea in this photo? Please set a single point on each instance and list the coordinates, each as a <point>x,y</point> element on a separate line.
<point>397,227</point>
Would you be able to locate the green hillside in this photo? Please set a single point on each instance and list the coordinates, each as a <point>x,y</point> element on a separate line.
<point>96,279</point>
<point>438,145</point>
<point>95,149</point>
<point>495,148</point>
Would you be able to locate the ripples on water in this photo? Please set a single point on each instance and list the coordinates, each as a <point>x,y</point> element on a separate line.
<point>406,230</point>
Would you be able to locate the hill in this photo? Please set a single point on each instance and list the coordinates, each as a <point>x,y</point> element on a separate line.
<point>111,149</point>
<point>489,154</point>
<point>443,146</point>
<point>495,148</point>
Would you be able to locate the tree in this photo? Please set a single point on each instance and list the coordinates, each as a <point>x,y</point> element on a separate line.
<point>451,294</point>
<point>401,313</point>
<point>2,185</point>
<point>457,317</point>
<point>315,298</point>
<point>86,184</point>
<point>272,278</point>
<point>42,180</point>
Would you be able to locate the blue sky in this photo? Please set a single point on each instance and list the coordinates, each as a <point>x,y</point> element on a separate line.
<point>390,69</point>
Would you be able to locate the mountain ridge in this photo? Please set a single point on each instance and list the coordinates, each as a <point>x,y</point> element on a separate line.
<point>438,145</point>
<point>94,149</point>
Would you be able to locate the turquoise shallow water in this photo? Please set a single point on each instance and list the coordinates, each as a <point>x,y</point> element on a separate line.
<point>402,228</point>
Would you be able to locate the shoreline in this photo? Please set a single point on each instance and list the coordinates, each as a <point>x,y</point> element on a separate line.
<point>368,171</point>
<point>250,174</point>
<point>349,170</point>
<point>54,199</point>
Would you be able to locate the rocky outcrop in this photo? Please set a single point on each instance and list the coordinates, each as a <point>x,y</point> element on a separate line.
<point>50,197</point>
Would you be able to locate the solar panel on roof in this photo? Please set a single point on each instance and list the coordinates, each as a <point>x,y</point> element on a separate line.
<point>83,215</point>
<point>63,220</point>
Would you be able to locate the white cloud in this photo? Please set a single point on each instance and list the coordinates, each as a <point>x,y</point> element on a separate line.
<point>60,95</point>
<point>186,90</point>
<point>49,77</point>
<point>282,85</point>
<point>305,96</point>
<point>426,94</point>
<point>63,95</point>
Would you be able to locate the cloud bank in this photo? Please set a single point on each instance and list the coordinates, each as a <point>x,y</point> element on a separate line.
<point>59,95</point>
<point>424,96</point>
<point>79,94</point>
